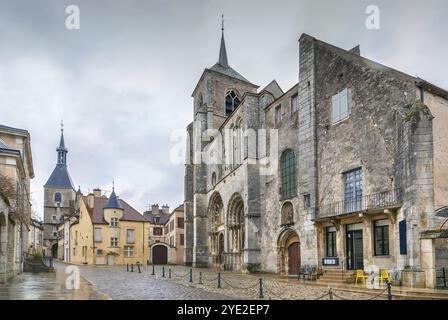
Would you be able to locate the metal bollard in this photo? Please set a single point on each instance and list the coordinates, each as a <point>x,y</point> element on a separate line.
<point>219,280</point>
<point>153,271</point>
<point>200,278</point>
<point>132,267</point>
<point>138,266</point>
<point>191,275</point>
<point>389,290</point>
<point>147,262</point>
<point>169,273</point>
<point>444,277</point>
<point>127,267</point>
<point>330,293</point>
<point>163,271</point>
<point>260,292</point>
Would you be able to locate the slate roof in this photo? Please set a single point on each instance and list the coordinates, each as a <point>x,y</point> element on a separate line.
<point>228,71</point>
<point>150,216</point>
<point>97,214</point>
<point>60,178</point>
<point>4,147</point>
<point>113,202</point>
<point>13,130</point>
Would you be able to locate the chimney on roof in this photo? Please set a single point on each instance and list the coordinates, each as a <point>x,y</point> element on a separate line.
<point>155,208</point>
<point>90,200</point>
<point>166,208</point>
<point>97,192</point>
<point>356,50</point>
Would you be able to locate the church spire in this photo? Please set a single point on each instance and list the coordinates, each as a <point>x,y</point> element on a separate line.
<point>62,150</point>
<point>222,50</point>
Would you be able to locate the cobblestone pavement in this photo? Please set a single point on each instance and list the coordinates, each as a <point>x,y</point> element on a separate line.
<point>120,284</point>
<point>46,286</point>
<point>247,286</point>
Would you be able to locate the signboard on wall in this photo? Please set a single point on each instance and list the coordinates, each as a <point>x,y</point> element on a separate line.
<point>334,261</point>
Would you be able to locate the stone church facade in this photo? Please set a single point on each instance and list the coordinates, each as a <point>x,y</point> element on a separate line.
<point>347,169</point>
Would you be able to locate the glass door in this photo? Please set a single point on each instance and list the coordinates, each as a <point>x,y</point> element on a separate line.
<point>355,254</point>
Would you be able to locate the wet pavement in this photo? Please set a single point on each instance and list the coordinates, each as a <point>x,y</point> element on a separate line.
<point>47,286</point>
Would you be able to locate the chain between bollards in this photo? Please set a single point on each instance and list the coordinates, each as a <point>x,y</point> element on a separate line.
<point>163,271</point>
<point>219,280</point>
<point>191,275</point>
<point>153,271</point>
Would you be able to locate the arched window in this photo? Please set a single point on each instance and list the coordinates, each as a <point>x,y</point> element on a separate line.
<point>287,214</point>
<point>57,197</point>
<point>288,174</point>
<point>213,179</point>
<point>232,101</point>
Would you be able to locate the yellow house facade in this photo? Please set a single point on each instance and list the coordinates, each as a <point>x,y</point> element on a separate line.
<point>108,231</point>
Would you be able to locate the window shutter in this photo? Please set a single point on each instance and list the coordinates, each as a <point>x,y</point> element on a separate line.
<point>343,104</point>
<point>335,108</point>
<point>403,238</point>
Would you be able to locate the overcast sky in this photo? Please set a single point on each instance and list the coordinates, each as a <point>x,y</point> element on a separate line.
<point>122,82</point>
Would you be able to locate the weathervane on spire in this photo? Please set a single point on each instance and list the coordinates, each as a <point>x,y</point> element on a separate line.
<point>62,126</point>
<point>222,23</point>
<point>113,184</point>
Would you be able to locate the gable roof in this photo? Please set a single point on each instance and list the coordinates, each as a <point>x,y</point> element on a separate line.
<point>97,213</point>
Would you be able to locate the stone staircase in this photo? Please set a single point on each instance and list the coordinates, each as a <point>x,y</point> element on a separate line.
<point>36,264</point>
<point>334,277</point>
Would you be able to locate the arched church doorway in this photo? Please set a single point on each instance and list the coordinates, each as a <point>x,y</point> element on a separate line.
<point>215,216</point>
<point>235,233</point>
<point>288,252</point>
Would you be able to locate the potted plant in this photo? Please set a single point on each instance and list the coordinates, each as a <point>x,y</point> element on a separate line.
<point>395,277</point>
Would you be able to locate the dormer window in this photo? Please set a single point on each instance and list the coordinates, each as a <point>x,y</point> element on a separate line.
<point>232,101</point>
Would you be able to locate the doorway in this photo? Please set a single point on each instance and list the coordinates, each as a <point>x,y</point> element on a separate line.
<point>294,258</point>
<point>220,248</point>
<point>110,259</point>
<point>355,252</point>
<point>159,254</point>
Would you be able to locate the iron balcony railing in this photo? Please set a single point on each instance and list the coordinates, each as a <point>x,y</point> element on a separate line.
<point>381,200</point>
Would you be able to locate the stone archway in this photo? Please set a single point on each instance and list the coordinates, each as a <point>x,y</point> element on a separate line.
<point>215,214</point>
<point>235,233</point>
<point>288,252</point>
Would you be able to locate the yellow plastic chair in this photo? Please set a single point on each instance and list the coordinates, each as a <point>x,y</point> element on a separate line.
<point>384,275</point>
<point>360,275</point>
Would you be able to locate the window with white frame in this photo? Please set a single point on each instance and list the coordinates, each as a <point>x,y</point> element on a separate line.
<point>114,242</point>
<point>114,222</point>
<point>97,235</point>
<point>339,106</point>
<point>128,251</point>
<point>130,235</point>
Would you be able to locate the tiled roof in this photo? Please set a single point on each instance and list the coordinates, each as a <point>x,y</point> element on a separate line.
<point>97,214</point>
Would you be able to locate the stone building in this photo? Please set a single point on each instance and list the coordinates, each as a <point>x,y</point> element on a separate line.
<point>59,199</point>
<point>174,236</point>
<point>36,236</point>
<point>16,170</point>
<point>106,231</point>
<point>345,170</point>
<point>158,247</point>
